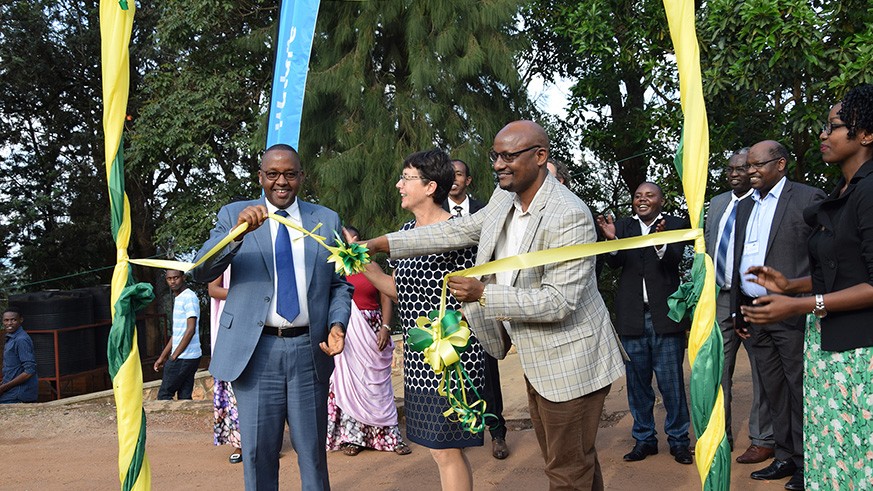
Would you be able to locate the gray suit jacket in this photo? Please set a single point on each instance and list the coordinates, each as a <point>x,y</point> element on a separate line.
<point>717,207</point>
<point>787,249</point>
<point>560,325</point>
<point>251,287</point>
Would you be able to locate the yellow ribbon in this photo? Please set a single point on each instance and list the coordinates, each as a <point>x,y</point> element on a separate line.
<point>561,254</point>
<point>239,229</point>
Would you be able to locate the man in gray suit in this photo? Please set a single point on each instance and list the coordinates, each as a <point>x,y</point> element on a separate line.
<point>770,231</point>
<point>284,319</point>
<point>553,314</point>
<point>719,236</point>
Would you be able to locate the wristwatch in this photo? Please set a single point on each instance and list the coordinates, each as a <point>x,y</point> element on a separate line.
<point>482,298</point>
<point>819,311</point>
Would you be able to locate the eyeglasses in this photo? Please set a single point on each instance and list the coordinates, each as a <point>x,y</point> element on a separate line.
<point>274,176</point>
<point>760,165</point>
<point>508,157</point>
<point>406,178</point>
<point>740,169</point>
<point>829,127</point>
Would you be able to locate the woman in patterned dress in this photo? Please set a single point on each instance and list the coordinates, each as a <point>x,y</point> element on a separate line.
<point>378,428</point>
<point>838,368</point>
<point>416,285</point>
<point>225,421</point>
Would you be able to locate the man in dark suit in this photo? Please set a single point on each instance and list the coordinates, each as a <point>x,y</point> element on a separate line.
<point>459,204</point>
<point>719,236</point>
<point>770,231</point>
<point>653,342</point>
<point>284,319</point>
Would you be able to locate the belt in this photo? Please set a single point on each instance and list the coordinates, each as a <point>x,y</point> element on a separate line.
<point>285,332</point>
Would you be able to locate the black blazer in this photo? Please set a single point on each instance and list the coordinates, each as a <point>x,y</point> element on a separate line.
<point>475,205</point>
<point>787,249</point>
<point>841,255</point>
<point>662,279</point>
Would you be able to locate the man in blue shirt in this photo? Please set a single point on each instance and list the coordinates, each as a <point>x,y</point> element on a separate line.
<point>19,363</point>
<point>182,353</point>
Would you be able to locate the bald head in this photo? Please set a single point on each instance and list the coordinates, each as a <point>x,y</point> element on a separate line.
<point>768,164</point>
<point>519,158</point>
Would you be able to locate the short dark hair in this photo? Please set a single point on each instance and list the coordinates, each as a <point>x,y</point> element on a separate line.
<point>284,147</point>
<point>466,167</point>
<point>857,110</point>
<point>13,309</point>
<point>433,165</point>
<point>561,170</point>
<point>778,151</point>
<point>660,191</point>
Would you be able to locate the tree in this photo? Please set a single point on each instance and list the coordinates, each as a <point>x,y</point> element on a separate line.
<point>55,221</point>
<point>773,68</point>
<point>624,99</point>
<point>391,78</point>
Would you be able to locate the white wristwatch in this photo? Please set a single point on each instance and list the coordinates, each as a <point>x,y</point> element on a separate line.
<point>819,311</point>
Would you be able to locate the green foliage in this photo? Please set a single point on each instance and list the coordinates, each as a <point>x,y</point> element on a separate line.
<point>49,122</point>
<point>624,100</point>
<point>390,78</point>
<point>772,70</point>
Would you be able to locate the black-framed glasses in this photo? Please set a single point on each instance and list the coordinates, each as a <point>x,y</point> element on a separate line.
<point>760,165</point>
<point>508,157</point>
<point>272,175</point>
<point>829,127</point>
<point>406,178</point>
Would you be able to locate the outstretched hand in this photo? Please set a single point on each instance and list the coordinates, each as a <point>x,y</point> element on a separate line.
<point>769,278</point>
<point>606,226</point>
<point>336,341</point>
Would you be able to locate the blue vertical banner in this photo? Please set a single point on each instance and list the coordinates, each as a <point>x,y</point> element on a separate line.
<point>293,47</point>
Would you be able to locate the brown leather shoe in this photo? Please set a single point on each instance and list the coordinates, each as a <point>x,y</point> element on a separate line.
<point>499,449</point>
<point>755,454</point>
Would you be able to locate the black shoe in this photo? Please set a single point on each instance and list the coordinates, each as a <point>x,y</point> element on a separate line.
<point>796,481</point>
<point>682,454</point>
<point>641,451</point>
<point>776,470</point>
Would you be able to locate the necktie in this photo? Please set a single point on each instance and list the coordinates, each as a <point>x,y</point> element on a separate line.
<point>458,210</point>
<point>287,304</point>
<point>721,254</point>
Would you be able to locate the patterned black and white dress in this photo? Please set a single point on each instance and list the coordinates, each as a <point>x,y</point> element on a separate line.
<point>419,283</point>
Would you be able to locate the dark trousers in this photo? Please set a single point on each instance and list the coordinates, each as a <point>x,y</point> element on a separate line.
<point>493,397</point>
<point>178,379</point>
<point>566,432</point>
<point>662,355</point>
<point>280,384</point>
<point>760,425</point>
<point>778,351</point>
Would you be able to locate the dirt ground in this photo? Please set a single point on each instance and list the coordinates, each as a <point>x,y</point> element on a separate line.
<point>74,447</point>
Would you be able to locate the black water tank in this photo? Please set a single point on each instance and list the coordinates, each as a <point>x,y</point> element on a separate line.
<point>48,311</point>
<point>100,303</point>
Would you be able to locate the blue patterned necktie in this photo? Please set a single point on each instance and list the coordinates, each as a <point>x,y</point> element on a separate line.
<point>721,254</point>
<point>287,303</point>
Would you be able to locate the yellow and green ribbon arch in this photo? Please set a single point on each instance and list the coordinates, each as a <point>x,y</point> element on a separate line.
<point>125,368</point>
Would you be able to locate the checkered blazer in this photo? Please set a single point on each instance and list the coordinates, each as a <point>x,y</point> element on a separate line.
<point>559,323</point>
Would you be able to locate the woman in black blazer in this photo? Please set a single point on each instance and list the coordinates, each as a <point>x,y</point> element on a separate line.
<point>838,372</point>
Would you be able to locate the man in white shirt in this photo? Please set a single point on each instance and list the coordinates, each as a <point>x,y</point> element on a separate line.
<point>719,235</point>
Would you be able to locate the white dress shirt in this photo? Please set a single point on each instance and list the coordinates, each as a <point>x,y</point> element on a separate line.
<point>297,249</point>
<point>729,257</point>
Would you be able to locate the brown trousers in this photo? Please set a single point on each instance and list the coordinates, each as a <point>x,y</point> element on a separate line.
<point>566,432</point>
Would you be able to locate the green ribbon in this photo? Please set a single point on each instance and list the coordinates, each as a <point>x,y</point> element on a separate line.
<point>442,340</point>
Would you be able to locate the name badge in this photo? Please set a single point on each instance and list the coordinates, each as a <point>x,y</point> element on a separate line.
<point>750,249</point>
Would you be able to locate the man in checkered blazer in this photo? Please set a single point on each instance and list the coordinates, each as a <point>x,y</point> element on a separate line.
<point>553,314</point>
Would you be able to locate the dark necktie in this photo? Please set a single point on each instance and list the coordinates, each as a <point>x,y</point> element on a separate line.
<point>458,210</point>
<point>287,303</point>
<point>721,254</point>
